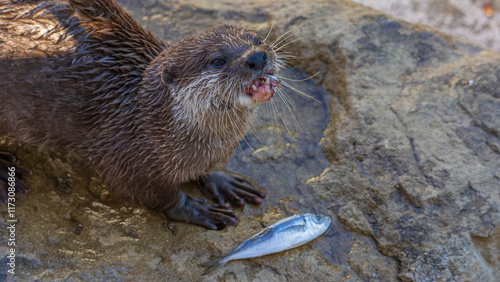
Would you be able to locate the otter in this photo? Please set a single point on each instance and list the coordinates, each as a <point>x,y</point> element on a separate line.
<point>83,77</point>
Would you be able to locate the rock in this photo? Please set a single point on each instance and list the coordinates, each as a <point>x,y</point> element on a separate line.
<point>402,151</point>
<point>473,21</point>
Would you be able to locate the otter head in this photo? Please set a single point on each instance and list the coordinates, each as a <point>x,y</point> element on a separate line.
<point>224,67</point>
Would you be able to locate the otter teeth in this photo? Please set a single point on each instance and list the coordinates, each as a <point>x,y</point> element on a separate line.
<point>263,88</point>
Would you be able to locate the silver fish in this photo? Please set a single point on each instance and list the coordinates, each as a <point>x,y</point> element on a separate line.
<point>285,234</point>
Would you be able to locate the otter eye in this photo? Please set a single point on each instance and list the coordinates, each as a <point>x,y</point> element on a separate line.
<point>257,41</point>
<point>217,63</point>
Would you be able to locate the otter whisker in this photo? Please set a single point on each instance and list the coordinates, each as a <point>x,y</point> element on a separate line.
<point>270,29</point>
<point>276,120</point>
<point>285,98</point>
<point>276,109</point>
<point>288,103</point>
<point>253,131</point>
<point>283,52</point>
<point>250,146</point>
<point>298,80</point>
<point>283,65</point>
<point>236,117</point>
<point>286,58</point>
<point>240,112</point>
<point>234,86</point>
<point>281,62</point>
<point>222,83</point>
<point>227,111</point>
<point>279,48</point>
<point>240,131</point>
<point>274,42</point>
<point>299,92</point>
<point>277,44</point>
<point>230,111</point>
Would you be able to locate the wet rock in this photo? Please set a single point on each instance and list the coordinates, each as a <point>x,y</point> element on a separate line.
<point>399,144</point>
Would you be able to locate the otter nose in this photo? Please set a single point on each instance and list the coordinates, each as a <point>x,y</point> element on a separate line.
<point>256,60</point>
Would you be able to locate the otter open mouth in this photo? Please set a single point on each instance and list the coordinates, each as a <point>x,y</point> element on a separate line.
<point>263,88</point>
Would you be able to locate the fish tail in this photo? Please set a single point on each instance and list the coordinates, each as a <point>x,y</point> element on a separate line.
<point>212,265</point>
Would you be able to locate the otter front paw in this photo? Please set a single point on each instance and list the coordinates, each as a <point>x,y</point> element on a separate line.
<point>199,212</point>
<point>10,176</point>
<point>220,186</point>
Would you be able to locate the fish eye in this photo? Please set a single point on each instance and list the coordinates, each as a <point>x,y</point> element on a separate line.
<point>317,218</point>
<point>217,63</point>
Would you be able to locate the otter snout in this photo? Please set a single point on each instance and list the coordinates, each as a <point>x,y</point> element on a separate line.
<point>257,63</point>
<point>257,60</point>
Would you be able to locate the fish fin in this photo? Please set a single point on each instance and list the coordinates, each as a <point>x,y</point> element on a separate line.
<point>212,265</point>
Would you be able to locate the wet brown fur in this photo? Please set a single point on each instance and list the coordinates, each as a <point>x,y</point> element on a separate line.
<point>96,84</point>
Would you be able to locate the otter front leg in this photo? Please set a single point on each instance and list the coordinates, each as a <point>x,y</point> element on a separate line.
<point>220,185</point>
<point>10,176</point>
<point>199,212</point>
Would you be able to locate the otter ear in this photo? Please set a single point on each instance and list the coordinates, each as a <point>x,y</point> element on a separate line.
<point>167,76</point>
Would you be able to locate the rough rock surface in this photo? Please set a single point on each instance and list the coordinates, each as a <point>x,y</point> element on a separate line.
<point>474,21</point>
<point>402,150</point>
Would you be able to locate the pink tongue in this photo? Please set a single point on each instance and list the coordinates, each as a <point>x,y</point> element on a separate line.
<point>263,93</point>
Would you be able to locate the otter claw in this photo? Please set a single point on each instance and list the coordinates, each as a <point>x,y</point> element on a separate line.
<point>7,157</point>
<point>6,164</point>
<point>195,211</point>
<point>222,186</point>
